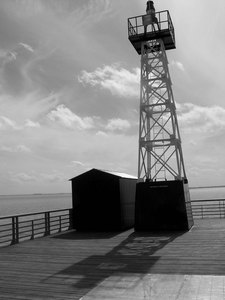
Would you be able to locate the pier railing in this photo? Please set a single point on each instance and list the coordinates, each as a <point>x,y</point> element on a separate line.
<point>14,229</point>
<point>213,208</point>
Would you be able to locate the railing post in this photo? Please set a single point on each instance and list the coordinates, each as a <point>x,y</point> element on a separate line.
<point>71,219</point>
<point>15,230</point>
<point>47,223</point>
<point>32,229</point>
<point>60,223</point>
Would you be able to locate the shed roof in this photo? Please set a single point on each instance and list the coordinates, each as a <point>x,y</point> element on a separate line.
<point>118,174</point>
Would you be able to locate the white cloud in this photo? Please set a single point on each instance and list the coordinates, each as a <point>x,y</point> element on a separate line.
<point>6,57</point>
<point>78,163</point>
<point>29,123</point>
<point>22,148</point>
<point>119,81</point>
<point>118,124</point>
<point>11,56</point>
<point>7,123</point>
<point>96,10</point>
<point>15,149</point>
<point>27,47</point>
<point>23,177</point>
<point>37,177</point>
<point>101,133</point>
<point>6,149</point>
<point>55,177</point>
<point>90,11</point>
<point>203,119</point>
<point>31,107</point>
<point>178,64</point>
<point>67,118</point>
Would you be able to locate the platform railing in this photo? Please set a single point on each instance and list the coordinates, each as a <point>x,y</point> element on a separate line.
<point>212,208</point>
<point>16,228</point>
<point>136,24</point>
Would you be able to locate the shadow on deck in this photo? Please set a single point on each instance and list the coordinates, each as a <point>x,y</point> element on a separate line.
<point>73,264</point>
<point>197,252</point>
<point>135,254</point>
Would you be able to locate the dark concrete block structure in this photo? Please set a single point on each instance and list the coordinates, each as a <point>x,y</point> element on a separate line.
<point>103,201</point>
<point>163,206</point>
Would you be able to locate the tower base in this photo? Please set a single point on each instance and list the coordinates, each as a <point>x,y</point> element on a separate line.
<point>163,206</point>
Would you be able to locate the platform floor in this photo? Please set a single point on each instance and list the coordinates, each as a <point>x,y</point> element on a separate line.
<point>117,266</point>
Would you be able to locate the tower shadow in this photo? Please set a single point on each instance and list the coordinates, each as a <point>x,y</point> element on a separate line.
<point>135,254</point>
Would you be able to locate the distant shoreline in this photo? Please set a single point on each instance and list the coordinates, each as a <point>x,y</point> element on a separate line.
<point>206,187</point>
<point>70,193</point>
<point>36,194</point>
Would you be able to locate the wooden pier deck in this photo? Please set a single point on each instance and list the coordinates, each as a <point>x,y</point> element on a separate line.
<point>117,266</point>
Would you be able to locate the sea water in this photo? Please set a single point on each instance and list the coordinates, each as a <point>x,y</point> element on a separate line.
<point>25,204</point>
<point>207,193</point>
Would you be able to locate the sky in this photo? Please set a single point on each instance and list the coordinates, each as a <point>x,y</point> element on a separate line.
<point>69,90</point>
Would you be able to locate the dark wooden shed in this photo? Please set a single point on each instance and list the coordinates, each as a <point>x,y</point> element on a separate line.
<point>103,200</point>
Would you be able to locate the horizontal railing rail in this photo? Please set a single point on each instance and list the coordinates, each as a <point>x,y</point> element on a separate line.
<point>16,228</point>
<point>210,208</point>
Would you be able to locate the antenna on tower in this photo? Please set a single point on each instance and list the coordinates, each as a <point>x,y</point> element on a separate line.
<point>150,17</point>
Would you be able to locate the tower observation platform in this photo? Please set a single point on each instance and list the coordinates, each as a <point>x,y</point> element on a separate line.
<point>141,28</point>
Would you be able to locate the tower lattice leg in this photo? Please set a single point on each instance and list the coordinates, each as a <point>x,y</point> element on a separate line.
<point>160,153</point>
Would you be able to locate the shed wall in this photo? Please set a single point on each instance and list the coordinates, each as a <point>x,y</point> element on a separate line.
<point>96,202</point>
<point>127,201</point>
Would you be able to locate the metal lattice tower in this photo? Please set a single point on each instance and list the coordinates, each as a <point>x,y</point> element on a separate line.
<point>160,152</point>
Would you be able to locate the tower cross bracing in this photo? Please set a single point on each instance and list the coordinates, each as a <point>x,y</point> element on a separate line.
<point>160,153</point>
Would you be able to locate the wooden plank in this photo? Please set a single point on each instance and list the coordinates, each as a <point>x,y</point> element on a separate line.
<point>123,265</point>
